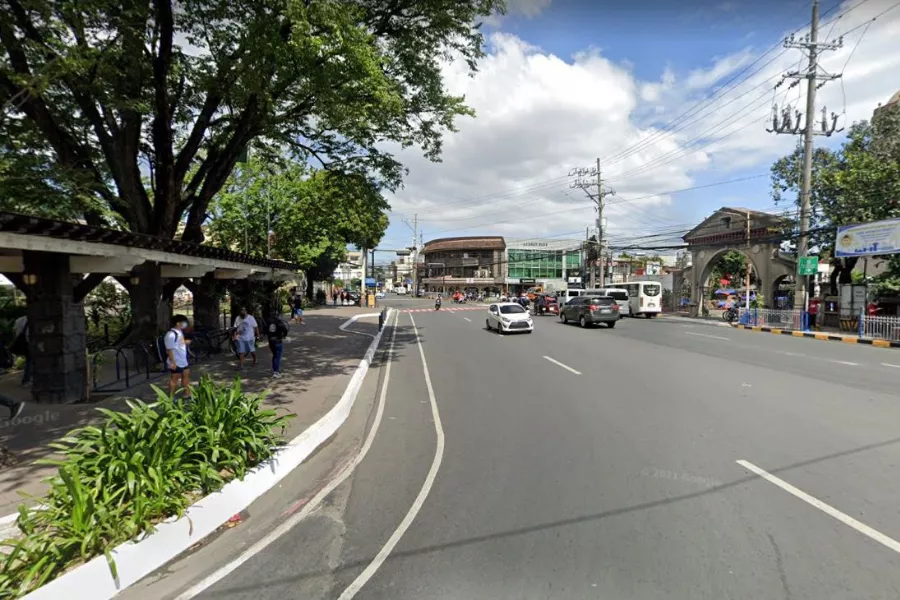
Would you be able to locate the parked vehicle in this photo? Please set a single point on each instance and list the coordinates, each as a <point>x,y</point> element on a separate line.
<point>379,295</point>
<point>507,317</point>
<point>590,310</point>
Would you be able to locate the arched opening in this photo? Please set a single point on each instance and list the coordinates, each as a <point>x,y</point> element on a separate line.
<point>783,292</point>
<point>723,281</point>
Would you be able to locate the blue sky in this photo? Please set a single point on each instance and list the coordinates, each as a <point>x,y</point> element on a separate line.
<point>566,81</point>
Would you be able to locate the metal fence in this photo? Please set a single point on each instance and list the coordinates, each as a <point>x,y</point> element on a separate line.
<point>880,327</point>
<point>770,317</point>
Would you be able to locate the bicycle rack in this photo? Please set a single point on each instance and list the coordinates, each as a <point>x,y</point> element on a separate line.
<point>120,356</point>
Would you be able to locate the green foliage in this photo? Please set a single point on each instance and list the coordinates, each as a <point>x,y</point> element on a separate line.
<point>732,264</point>
<point>117,480</point>
<point>338,283</point>
<point>355,283</point>
<point>858,183</point>
<point>312,214</point>
<point>107,304</point>
<point>96,95</point>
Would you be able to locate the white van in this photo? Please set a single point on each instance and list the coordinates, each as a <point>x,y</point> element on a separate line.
<point>400,290</point>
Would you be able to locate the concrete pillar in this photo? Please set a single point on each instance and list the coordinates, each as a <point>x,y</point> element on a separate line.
<point>57,330</point>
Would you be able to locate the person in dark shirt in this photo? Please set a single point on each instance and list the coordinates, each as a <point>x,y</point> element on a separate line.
<point>276,331</point>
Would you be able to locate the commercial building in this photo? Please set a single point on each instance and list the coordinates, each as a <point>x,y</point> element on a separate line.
<point>553,263</point>
<point>351,268</point>
<point>464,264</point>
<point>496,266</point>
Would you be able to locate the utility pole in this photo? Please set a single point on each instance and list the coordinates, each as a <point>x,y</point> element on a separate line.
<point>602,193</point>
<point>415,248</point>
<point>811,44</point>
<point>747,276</point>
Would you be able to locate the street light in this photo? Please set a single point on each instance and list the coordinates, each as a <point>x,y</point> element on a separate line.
<point>443,274</point>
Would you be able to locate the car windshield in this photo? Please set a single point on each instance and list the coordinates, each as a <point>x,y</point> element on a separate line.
<point>651,290</point>
<point>511,309</point>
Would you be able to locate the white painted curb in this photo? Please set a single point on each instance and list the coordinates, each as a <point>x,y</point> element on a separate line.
<point>135,560</point>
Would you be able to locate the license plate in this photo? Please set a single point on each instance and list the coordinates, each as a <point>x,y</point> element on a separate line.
<point>605,310</point>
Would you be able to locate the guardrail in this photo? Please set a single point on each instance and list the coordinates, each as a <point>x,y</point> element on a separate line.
<point>770,317</point>
<point>879,327</point>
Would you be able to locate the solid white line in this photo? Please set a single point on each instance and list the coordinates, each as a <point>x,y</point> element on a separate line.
<point>826,508</point>
<point>890,365</point>
<point>286,526</point>
<point>382,555</point>
<point>715,337</point>
<point>566,367</point>
<point>843,362</point>
<point>467,319</point>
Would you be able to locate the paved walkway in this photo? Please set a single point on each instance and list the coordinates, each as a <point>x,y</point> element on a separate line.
<point>319,359</point>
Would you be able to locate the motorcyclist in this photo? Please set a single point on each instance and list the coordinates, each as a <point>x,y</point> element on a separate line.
<point>437,303</point>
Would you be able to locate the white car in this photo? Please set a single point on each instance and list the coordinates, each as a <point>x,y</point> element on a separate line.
<point>379,294</point>
<point>507,317</point>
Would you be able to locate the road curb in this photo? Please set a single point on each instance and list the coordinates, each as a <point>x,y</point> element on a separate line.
<point>819,336</point>
<point>134,560</point>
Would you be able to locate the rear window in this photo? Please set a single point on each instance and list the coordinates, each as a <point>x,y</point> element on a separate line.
<point>511,309</point>
<point>618,294</point>
<point>651,290</point>
<point>603,301</point>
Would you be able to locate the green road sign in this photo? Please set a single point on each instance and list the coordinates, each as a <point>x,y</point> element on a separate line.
<point>809,265</point>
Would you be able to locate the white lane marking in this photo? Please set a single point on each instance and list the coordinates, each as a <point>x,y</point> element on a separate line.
<point>286,526</point>
<point>467,319</point>
<point>831,360</point>
<point>715,337</point>
<point>825,508</point>
<point>566,367</point>
<point>890,365</point>
<point>382,555</point>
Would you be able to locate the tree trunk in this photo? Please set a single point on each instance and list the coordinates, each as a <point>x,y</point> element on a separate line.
<point>846,275</point>
<point>310,289</point>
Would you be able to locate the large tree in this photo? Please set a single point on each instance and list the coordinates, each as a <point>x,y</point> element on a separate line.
<point>140,111</point>
<point>313,215</point>
<point>858,183</point>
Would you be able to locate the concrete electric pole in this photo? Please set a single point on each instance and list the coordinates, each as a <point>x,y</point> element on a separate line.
<point>602,193</point>
<point>811,44</point>
<point>415,253</point>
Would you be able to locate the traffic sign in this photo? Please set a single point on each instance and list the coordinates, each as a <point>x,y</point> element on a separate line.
<point>809,265</point>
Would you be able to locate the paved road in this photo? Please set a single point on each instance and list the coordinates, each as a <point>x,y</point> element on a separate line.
<point>611,472</point>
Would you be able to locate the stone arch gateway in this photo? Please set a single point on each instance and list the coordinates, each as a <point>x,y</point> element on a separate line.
<point>726,229</point>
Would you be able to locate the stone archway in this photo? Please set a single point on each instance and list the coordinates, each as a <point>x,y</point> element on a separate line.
<point>712,257</point>
<point>727,229</point>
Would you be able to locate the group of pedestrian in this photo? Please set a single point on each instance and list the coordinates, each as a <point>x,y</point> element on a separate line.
<point>341,297</point>
<point>246,335</point>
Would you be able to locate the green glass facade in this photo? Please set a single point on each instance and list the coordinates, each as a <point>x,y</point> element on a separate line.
<point>541,264</point>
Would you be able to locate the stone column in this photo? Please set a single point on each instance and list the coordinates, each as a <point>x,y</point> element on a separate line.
<point>57,330</point>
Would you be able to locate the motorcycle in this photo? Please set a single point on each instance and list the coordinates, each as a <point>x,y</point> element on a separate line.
<point>730,315</point>
<point>437,304</point>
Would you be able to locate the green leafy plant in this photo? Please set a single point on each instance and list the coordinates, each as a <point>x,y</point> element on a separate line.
<point>117,480</point>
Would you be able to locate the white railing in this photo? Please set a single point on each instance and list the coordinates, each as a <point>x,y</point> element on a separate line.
<point>880,327</point>
<point>770,317</point>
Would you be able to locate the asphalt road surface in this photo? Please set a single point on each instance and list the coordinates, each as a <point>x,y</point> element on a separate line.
<point>604,463</point>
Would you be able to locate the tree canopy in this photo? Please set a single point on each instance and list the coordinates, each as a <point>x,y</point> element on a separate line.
<point>135,114</point>
<point>313,215</point>
<point>858,183</point>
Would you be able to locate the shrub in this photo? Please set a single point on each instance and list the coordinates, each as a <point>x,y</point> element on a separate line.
<point>321,298</point>
<point>117,480</point>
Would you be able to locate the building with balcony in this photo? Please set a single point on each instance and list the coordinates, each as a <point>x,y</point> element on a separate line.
<point>475,264</point>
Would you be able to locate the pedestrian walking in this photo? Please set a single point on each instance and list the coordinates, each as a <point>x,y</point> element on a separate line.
<point>246,332</point>
<point>21,346</point>
<point>298,309</point>
<point>276,333</point>
<point>177,357</point>
<point>813,312</point>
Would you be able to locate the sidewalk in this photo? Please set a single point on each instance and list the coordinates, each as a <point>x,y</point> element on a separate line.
<point>319,360</point>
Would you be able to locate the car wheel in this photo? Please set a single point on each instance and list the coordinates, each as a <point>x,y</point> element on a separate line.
<point>487,324</point>
<point>611,324</point>
<point>564,318</point>
<point>582,321</point>
<point>500,328</point>
<point>647,315</point>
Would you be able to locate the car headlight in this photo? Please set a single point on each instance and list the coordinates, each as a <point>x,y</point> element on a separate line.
<point>504,319</point>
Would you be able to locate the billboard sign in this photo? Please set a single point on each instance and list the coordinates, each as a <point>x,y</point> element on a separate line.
<point>866,239</point>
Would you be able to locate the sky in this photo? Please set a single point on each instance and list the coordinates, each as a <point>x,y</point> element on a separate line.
<point>673,98</point>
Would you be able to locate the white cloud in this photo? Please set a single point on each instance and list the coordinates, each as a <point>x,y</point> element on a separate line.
<point>539,115</point>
